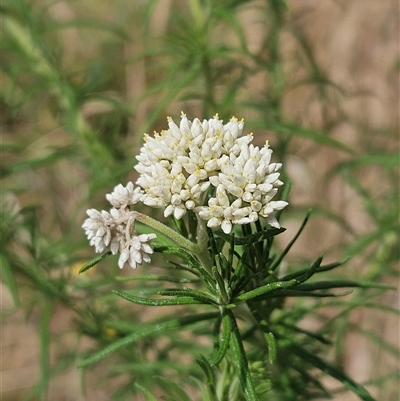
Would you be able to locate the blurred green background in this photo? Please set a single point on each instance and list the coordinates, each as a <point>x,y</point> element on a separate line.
<point>83,81</point>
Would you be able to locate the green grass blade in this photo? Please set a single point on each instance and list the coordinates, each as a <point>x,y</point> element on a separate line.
<point>333,371</point>
<point>147,331</point>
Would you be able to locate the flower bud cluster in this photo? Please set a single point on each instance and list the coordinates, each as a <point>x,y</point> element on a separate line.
<point>114,231</point>
<point>179,166</point>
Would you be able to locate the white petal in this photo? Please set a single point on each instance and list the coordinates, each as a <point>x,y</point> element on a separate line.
<point>214,222</point>
<point>226,226</point>
<point>272,221</point>
<point>179,212</point>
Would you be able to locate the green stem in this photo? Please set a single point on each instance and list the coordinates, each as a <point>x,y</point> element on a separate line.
<point>240,358</point>
<point>199,250</point>
<point>202,245</point>
<point>169,232</point>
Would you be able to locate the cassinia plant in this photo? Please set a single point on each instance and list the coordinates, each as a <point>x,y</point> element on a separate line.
<point>220,191</point>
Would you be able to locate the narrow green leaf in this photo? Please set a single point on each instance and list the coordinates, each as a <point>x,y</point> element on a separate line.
<point>157,277</point>
<point>377,339</point>
<point>221,284</point>
<point>268,335</point>
<point>173,387</point>
<point>270,339</point>
<point>293,293</point>
<point>310,272</point>
<point>178,251</point>
<point>320,269</point>
<point>264,290</point>
<point>149,396</point>
<point>147,331</point>
<point>201,296</point>
<point>333,371</point>
<point>93,262</point>
<point>195,265</point>
<point>387,160</point>
<point>242,366</point>
<point>157,302</point>
<point>206,392</point>
<point>316,336</point>
<point>324,212</point>
<point>381,307</point>
<point>291,243</point>
<point>224,343</point>
<point>252,238</point>
<point>324,285</point>
<point>209,373</point>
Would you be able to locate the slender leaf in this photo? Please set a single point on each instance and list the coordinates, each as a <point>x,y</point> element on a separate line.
<point>242,366</point>
<point>201,296</point>
<point>93,262</point>
<point>210,375</point>
<point>158,302</point>
<point>320,269</point>
<point>264,290</point>
<point>224,343</point>
<point>149,396</point>
<point>389,161</point>
<point>173,387</point>
<point>323,285</point>
<point>253,238</point>
<point>291,243</point>
<point>331,370</point>
<point>147,331</point>
<point>157,277</point>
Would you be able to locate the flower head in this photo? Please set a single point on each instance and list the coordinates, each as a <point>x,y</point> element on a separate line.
<point>175,165</point>
<point>245,186</point>
<point>98,229</point>
<point>136,250</point>
<point>125,196</point>
<point>114,231</point>
<point>208,167</point>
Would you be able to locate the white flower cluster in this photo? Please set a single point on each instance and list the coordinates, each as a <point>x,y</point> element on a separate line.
<point>208,167</point>
<point>178,166</point>
<point>114,231</point>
